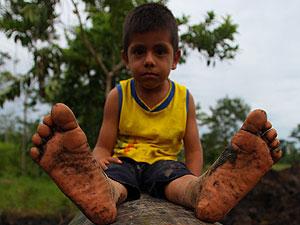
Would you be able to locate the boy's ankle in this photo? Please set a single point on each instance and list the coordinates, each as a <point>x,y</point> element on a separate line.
<point>119,191</point>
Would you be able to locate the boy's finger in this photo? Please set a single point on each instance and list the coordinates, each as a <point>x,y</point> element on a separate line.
<point>114,160</point>
<point>103,166</point>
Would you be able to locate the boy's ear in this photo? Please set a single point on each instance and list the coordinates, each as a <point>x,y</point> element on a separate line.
<point>124,57</point>
<point>176,59</point>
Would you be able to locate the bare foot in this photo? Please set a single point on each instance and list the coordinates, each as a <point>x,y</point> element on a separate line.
<point>63,152</point>
<point>253,151</point>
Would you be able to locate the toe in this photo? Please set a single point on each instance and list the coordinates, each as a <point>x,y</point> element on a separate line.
<point>274,144</point>
<point>36,139</point>
<point>43,130</point>
<point>63,117</point>
<point>255,122</point>
<point>270,135</point>
<point>34,153</point>
<point>267,127</point>
<point>276,155</point>
<point>48,120</point>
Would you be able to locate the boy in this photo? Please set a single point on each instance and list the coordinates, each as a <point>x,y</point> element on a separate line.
<point>145,120</point>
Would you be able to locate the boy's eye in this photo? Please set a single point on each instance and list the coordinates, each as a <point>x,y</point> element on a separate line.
<point>139,50</point>
<point>160,50</point>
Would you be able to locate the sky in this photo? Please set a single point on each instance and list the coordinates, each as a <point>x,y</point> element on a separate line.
<point>265,72</point>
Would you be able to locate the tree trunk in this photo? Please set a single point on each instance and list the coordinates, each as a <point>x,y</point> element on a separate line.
<point>24,135</point>
<point>149,211</point>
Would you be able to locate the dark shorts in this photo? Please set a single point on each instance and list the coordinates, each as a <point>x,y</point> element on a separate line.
<point>140,177</point>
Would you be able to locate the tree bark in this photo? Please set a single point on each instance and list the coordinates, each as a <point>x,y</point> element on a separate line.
<point>149,211</point>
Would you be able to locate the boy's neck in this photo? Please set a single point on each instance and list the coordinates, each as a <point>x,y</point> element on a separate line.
<point>151,97</point>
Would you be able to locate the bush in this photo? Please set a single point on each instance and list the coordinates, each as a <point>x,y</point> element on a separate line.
<point>32,196</point>
<point>10,162</point>
<point>9,158</point>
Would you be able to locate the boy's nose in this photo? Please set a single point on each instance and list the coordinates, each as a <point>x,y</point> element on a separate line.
<point>149,60</point>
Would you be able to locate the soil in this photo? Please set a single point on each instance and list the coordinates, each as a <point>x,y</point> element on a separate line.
<point>274,201</point>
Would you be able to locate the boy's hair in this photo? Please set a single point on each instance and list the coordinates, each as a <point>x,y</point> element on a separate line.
<point>149,17</point>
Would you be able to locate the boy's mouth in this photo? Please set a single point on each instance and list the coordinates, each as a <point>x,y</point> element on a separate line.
<point>150,74</point>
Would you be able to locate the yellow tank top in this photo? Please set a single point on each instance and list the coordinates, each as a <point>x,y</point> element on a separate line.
<point>148,135</point>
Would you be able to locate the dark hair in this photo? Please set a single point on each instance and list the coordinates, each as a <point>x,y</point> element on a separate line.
<point>149,17</point>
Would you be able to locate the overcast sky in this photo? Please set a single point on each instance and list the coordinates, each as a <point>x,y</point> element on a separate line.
<point>265,72</point>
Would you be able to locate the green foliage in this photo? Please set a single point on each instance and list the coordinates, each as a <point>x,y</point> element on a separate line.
<point>25,195</point>
<point>9,160</point>
<point>3,56</point>
<point>28,21</point>
<point>34,194</point>
<point>47,65</point>
<point>10,87</point>
<point>291,148</point>
<point>296,133</point>
<point>214,40</point>
<point>281,166</point>
<point>8,128</point>
<point>13,144</point>
<point>223,121</point>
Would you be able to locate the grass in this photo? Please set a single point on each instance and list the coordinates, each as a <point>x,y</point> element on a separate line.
<point>28,196</point>
<point>281,166</point>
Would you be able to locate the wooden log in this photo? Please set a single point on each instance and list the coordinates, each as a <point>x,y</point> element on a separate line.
<point>149,211</point>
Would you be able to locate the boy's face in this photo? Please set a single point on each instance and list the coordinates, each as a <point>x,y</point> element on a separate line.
<point>150,58</point>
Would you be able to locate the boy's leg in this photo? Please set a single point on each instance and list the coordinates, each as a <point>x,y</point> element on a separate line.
<point>233,175</point>
<point>183,190</point>
<point>63,152</point>
<point>156,176</point>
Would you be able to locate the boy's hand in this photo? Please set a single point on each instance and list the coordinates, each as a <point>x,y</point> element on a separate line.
<point>104,157</point>
<point>104,162</point>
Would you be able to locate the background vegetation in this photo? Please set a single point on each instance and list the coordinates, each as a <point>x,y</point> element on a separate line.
<point>81,74</point>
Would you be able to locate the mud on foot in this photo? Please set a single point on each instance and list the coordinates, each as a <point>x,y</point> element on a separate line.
<point>253,151</point>
<point>63,152</point>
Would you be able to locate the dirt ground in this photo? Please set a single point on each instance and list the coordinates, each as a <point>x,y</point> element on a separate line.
<point>274,201</point>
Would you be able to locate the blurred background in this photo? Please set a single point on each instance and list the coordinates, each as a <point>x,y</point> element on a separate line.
<point>236,56</point>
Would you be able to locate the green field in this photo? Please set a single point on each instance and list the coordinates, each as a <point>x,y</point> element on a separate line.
<point>280,166</point>
<point>28,196</point>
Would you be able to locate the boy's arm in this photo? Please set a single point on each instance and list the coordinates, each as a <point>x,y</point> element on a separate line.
<point>108,133</point>
<point>192,144</point>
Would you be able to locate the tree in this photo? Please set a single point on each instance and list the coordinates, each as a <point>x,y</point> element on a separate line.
<point>296,133</point>
<point>81,74</point>
<point>8,129</point>
<point>30,23</point>
<point>291,154</point>
<point>221,124</point>
<point>291,148</point>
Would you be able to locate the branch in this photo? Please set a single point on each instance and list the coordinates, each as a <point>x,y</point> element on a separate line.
<point>88,44</point>
<point>117,67</point>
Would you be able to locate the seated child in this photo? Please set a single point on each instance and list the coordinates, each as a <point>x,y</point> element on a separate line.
<point>146,121</point>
